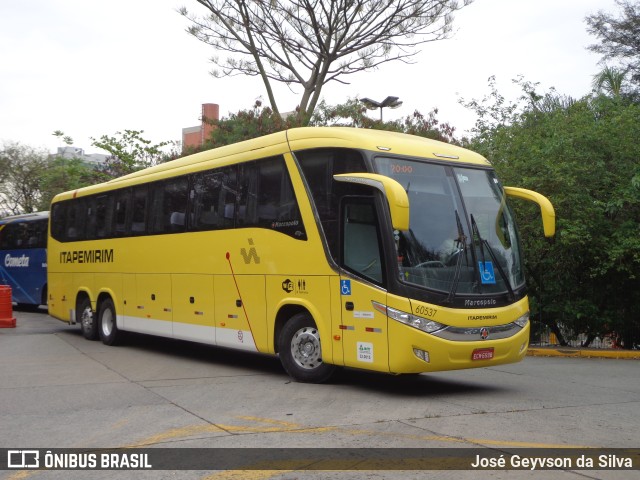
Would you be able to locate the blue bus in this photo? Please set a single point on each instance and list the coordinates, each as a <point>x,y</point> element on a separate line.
<point>23,257</point>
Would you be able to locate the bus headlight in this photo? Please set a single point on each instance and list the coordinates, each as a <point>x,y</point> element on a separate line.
<point>523,320</point>
<point>414,321</point>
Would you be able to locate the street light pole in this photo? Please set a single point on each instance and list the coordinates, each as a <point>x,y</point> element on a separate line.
<point>391,102</point>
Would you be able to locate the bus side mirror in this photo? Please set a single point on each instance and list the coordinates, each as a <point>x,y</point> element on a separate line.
<point>396,196</point>
<point>546,208</point>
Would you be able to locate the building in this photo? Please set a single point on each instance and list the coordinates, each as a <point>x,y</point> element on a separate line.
<point>194,137</point>
<point>75,152</point>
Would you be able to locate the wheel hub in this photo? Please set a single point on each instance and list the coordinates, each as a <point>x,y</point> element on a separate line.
<point>305,348</point>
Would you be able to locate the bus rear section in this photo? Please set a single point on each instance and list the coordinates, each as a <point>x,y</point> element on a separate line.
<point>23,257</point>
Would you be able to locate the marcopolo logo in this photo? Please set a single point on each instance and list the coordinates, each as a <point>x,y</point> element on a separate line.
<point>22,261</point>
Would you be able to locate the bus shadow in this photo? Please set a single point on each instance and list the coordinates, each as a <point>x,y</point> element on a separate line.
<point>30,308</point>
<point>407,386</point>
<point>203,353</point>
<point>411,386</point>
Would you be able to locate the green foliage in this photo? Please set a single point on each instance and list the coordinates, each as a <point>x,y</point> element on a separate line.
<point>30,178</point>
<point>21,169</point>
<point>67,140</point>
<point>261,120</point>
<point>247,124</point>
<point>130,152</point>
<point>583,154</point>
<point>63,174</point>
<point>610,81</point>
<point>618,36</point>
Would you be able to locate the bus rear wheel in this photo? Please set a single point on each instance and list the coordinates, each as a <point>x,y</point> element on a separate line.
<point>88,323</point>
<point>109,333</point>
<point>300,350</point>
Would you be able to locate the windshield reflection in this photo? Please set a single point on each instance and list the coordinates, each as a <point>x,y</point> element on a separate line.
<point>444,249</point>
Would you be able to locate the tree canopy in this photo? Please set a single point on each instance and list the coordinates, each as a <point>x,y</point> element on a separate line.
<point>581,153</point>
<point>262,120</point>
<point>309,43</point>
<point>619,36</point>
<point>130,151</point>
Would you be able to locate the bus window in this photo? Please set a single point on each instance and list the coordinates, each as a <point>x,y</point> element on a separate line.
<point>267,199</point>
<point>361,252</point>
<point>76,220</point>
<point>103,209</point>
<point>212,199</point>
<point>169,205</point>
<point>139,213</point>
<point>37,234</point>
<point>58,214</point>
<point>123,205</point>
<point>318,167</point>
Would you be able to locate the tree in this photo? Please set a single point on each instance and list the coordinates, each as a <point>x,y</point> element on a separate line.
<point>63,174</point>
<point>619,36</point>
<point>21,170</point>
<point>583,155</point>
<point>59,134</point>
<point>610,81</point>
<point>130,152</point>
<point>310,43</point>
<point>261,120</point>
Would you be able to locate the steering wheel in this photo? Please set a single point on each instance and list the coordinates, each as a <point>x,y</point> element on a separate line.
<point>432,263</point>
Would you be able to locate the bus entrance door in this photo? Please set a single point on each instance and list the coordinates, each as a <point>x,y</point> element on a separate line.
<point>364,329</point>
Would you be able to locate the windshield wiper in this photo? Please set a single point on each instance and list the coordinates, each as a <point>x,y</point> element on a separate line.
<point>475,233</point>
<point>461,242</point>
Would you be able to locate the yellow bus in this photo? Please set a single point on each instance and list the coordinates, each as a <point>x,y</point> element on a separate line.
<point>325,246</point>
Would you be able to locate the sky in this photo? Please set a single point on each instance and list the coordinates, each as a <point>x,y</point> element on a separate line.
<point>91,68</point>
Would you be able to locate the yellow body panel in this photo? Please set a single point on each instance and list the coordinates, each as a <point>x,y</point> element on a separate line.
<point>448,355</point>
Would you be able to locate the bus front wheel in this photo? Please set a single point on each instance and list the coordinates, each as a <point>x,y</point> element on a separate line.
<point>109,333</point>
<point>300,351</point>
<point>88,323</point>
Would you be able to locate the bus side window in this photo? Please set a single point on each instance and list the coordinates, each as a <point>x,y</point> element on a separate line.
<point>37,232</point>
<point>122,208</point>
<point>139,213</point>
<point>361,251</point>
<point>103,209</point>
<point>267,199</point>
<point>205,212</point>
<point>169,205</point>
<point>246,216</point>
<point>76,220</point>
<point>58,213</point>
<point>227,197</point>
<point>9,237</point>
<point>318,168</point>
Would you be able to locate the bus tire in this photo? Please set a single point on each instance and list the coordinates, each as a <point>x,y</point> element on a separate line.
<point>300,351</point>
<point>109,333</point>
<point>88,320</point>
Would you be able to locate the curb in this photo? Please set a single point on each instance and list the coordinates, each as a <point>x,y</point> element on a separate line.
<point>584,353</point>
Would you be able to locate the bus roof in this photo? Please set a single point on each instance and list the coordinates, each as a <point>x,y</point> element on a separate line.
<point>381,140</point>
<point>304,138</point>
<point>25,217</point>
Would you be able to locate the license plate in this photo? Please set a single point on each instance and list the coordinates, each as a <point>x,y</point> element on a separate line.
<point>482,354</point>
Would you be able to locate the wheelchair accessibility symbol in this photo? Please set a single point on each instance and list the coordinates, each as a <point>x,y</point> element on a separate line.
<point>487,275</point>
<point>345,287</point>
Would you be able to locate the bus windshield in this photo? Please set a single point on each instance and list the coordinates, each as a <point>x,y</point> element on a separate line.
<point>462,237</point>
